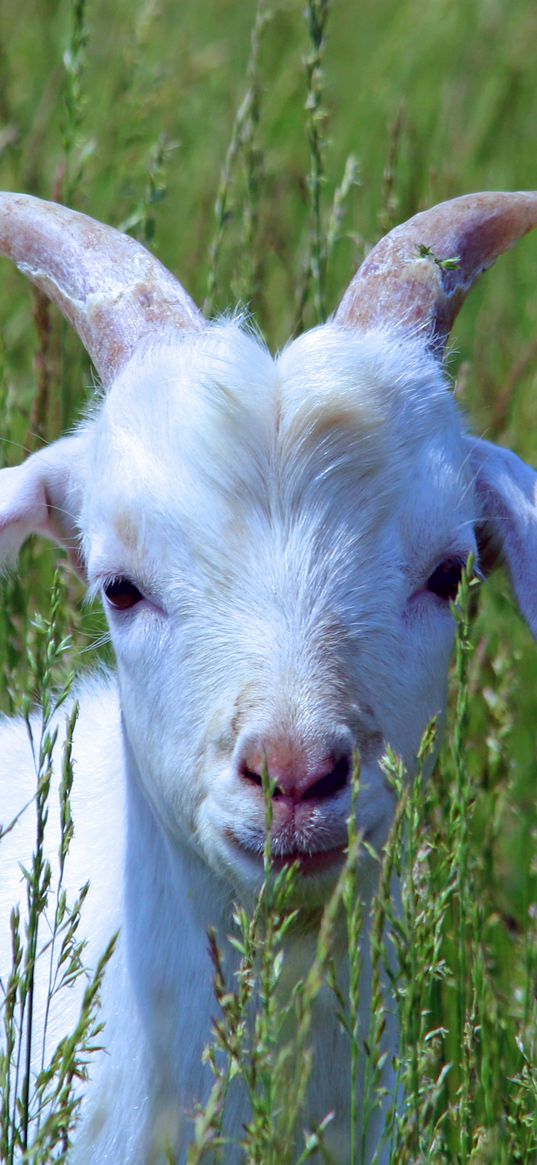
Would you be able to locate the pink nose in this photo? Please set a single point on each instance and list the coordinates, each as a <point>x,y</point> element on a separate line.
<point>300,771</point>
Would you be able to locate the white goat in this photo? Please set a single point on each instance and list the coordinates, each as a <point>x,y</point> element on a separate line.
<point>276,543</point>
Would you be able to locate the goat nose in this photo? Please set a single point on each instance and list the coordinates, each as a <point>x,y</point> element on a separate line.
<point>298,772</point>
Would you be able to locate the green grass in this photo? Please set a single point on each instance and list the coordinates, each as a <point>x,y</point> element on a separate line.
<point>259,151</point>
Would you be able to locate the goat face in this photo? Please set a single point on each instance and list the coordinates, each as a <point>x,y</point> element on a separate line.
<point>266,532</point>
<point>277,541</point>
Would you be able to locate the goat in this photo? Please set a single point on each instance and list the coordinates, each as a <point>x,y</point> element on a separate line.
<point>276,542</point>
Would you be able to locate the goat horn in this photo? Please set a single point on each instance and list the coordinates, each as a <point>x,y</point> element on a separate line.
<point>408,279</point>
<point>109,287</point>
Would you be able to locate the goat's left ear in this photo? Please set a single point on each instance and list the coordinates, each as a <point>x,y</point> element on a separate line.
<point>506,490</point>
<point>43,496</point>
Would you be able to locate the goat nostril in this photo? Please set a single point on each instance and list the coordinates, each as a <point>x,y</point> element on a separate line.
<point>256,778</point>
<point>331,783</point>
<point>250,775</point>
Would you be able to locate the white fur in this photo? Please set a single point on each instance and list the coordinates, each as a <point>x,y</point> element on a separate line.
<point>282,518</point>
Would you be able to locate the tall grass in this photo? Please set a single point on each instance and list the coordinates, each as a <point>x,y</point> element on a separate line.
<point>40,1091</point>
<point>260,150</point>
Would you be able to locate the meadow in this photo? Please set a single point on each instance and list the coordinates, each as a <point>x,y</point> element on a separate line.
<point>260,150</point>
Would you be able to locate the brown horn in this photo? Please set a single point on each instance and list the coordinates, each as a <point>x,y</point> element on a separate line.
<point>407,279</point>
<point>109,287</point>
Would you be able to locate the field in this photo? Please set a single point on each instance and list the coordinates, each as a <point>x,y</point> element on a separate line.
<point>260,151</point>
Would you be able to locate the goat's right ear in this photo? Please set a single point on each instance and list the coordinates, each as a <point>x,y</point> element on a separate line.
<point>43,496</point>
<point>506,489</point>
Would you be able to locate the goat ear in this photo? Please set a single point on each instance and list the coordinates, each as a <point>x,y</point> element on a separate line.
<point>43,496</point>
<point>507,494</point>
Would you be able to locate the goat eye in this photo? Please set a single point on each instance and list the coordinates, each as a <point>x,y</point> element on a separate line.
<point>444,581</point>
<point>121,593</point>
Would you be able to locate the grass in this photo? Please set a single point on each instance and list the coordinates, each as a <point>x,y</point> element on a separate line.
<point>40,1092</point>
<point>260,150</point>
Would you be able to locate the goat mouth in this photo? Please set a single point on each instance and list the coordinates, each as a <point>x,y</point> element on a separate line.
<point>313,863</point>
<point>308,862</point>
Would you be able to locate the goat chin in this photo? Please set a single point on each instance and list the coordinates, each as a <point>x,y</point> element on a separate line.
<point>277,544</point>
